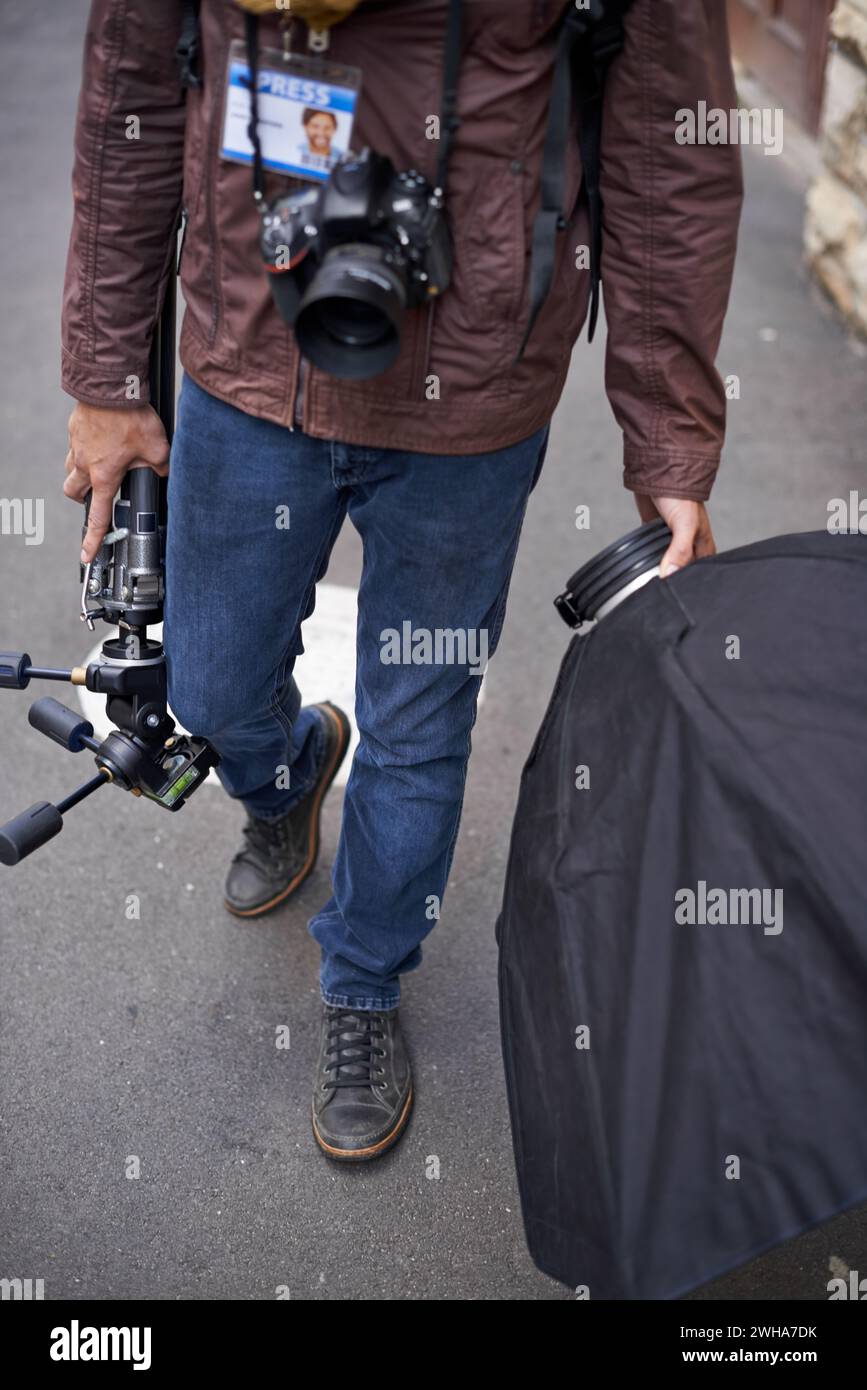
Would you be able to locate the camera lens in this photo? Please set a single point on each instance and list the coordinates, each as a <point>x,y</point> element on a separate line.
<point>349,322</point>
<point>350,317</point>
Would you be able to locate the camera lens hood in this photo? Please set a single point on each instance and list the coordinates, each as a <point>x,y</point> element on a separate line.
<point>349,320</point>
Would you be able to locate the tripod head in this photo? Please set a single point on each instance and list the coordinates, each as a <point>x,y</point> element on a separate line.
<point>125,585</point>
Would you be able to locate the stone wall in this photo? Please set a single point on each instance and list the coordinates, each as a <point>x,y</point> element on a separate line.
<point>835,233</point>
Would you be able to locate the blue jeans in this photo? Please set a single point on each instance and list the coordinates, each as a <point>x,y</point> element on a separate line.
<point>439,535</point>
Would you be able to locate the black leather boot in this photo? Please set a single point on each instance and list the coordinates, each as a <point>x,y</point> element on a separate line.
<point>278,855</point>
<point>362,1094</point>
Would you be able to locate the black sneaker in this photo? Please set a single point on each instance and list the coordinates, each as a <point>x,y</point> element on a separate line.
<point>278,855</point>
<point>362,1095</point>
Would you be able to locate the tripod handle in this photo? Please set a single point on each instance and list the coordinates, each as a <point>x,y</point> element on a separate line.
<point>42,821</point>
<point>25,833</point>
<point>14,670</point>
<point>62,725</point>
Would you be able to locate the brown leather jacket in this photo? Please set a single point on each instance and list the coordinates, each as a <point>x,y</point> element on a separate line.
<point>671,216</point>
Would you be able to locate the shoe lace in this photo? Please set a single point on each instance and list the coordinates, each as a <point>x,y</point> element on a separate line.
<point>352,1044</point>
<point>266,840</point>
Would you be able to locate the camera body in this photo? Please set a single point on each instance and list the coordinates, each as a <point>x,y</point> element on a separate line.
<point>348,258</point>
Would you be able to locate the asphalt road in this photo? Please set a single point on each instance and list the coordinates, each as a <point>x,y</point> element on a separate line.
<point>156,1038</point>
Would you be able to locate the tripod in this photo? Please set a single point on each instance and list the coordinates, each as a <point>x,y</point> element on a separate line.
<point>126,586</point>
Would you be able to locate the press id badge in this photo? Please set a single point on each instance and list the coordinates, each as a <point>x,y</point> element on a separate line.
<point>306,112</point>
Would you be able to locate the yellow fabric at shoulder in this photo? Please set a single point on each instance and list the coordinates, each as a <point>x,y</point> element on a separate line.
<point>318,14</point>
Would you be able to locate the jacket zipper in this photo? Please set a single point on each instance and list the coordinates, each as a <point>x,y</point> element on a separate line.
<point>295,390</point>
<point>424,357</point>
<point>185,217</point>
<point>301,401</point>
<point>210,192</point>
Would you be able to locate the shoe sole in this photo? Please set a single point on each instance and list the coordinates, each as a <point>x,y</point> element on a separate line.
<point>337,757</point>
<point>373,1150</point>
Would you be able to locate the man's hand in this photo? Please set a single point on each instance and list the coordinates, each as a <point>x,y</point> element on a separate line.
<point>104,443</point>
<point>690,529</point>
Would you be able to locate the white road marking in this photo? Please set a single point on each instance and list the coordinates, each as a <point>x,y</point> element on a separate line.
<point>326,669</point>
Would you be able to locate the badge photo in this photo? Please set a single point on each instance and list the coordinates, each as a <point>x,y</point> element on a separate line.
<point>306,113</point>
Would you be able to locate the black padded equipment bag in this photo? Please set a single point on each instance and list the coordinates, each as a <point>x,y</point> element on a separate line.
<point>717,1102</point>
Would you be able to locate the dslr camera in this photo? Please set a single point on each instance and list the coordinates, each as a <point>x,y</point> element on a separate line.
<point>347,259</point>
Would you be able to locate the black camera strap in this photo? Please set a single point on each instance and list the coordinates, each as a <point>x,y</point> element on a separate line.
<point>449,120</point>
<point>188,51</point>
<point>251,30</point>
<point>589,42</point>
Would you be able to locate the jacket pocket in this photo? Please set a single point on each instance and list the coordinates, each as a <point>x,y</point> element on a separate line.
<point>478,321</point>
<point>491,249</point>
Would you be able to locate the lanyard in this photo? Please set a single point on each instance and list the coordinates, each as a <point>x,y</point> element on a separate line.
<point>449,120</point>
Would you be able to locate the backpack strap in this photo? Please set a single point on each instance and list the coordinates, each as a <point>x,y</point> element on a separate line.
<point>590,40</point>
<point>188,51</point>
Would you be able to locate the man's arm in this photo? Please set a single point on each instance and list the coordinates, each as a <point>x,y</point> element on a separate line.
<point>671,214</point>
<point>127,182</point>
